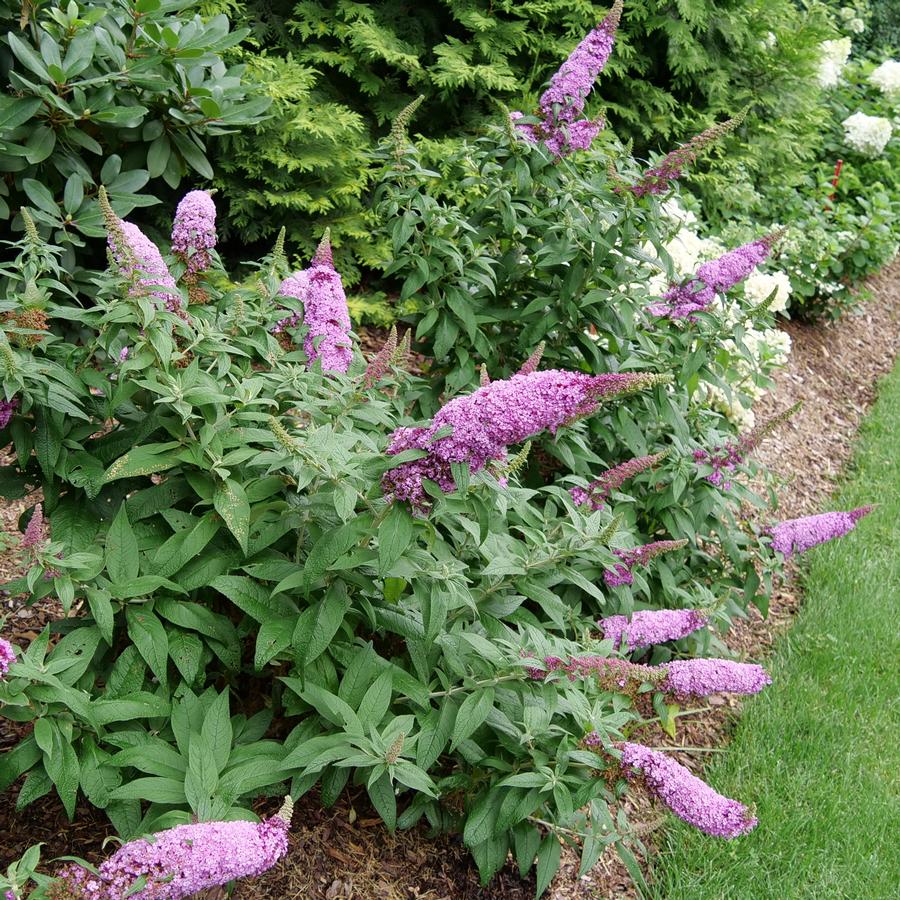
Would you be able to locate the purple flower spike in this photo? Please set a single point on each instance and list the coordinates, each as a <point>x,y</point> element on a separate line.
<point>651,626</point>
<point>799,535</point>
<point>7,408</point>
<point>658,179</point>
<point>185,859</point>
<point>325,311</point>
<point>560,129</point>
<point>702,677</point>
<point>34,530</point>
<point>713,277</point>
<point>563,101</point>
<point>501,413</point>
<point>194,230</point>
<point>687,796</point>
<point>7,656</point>
<point>141,259</point>
<point>597,492</point>
<point>638,556</point>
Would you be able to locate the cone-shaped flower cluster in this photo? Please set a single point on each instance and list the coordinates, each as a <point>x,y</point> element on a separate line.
<point>799,535</point>
<point>681,678</point>
<point>147,265</point>
<point>7,656</point>
<point>139,258</point>
<point>194,230</point>
<point>379,364</point>
<point>186,859</point>
<point>325,312</point>
<point>597,492</point>
<point>613,673</point>
<point>658,179</point>
<point>560,128</point>
<point>702,677</point>
<point>687,796</point>
<point>713,277</point>
<point>638,556</point>
<point>504,412</point>
<point>725,459</point>
<point>35,532</point>
<point>7,408</point>
<point>651,626</point>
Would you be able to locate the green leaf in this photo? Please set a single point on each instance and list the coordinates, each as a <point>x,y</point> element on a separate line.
<point>434,735</point>
<point>63,769</point>
<point>122,558</point>
<point>154,790</point>
<point>144,460</point>
<point>183,546</point>
<point>149,636</point>
<point>249,596</point>
<point>158,154</point>
<point>232,505</point>
<point>377,699</point>
<point>490,856</point>
<point>472,713</point>
<point>332,545</point>
<point>394,536</point>
<point>27,56</point>
<point>547,863</point>
<point>319,624</point>
<point>102,611</point>
<point>481,819</point>
<point>136,705</point>
<point>358,675</point>
<point>186,650</point>
<point>381,793</point>
<point>15,111</point>
<point>40,196</point>
<point>217,731</point>
<point>273,637</point>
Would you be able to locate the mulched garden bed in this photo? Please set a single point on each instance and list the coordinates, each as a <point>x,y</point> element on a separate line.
<point>344,852</point>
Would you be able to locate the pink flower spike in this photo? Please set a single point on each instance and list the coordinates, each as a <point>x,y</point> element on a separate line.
<point>183,860</point>
<point>325,312</point>
<point>34,530</point>
<point>651,626</point>
<point>799,535</point>
<point>637,556</point>
<point>504,412</point>
<point>702,677</point>
<point>194,230</point>
<point>141,259</point>
<point>687,796</point>
<point>597,492</point>
<point>713,277</point>
<point>560,129</point>
<point>7,656</point>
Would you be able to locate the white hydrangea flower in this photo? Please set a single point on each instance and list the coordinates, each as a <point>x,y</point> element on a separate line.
<point>887,77</point>
<point>867,134</point>
<point>856,25</point>
<point>834,57</point>
<point>759,285</point>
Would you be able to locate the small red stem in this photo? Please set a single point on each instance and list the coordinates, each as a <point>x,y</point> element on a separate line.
<point>834,183</point>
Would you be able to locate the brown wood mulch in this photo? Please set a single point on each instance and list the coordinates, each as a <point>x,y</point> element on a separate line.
<point>344,853</point>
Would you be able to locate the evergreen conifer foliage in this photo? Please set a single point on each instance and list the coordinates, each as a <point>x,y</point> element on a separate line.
<point>340,71</point>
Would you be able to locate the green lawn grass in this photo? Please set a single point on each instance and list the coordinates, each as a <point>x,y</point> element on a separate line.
<point>818,751</point>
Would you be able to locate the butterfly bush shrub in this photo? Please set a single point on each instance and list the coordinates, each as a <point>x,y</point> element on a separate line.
<point>247,611</point>
<point>281,566</point>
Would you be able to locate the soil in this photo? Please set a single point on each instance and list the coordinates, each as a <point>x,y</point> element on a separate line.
<point>344,853</point>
